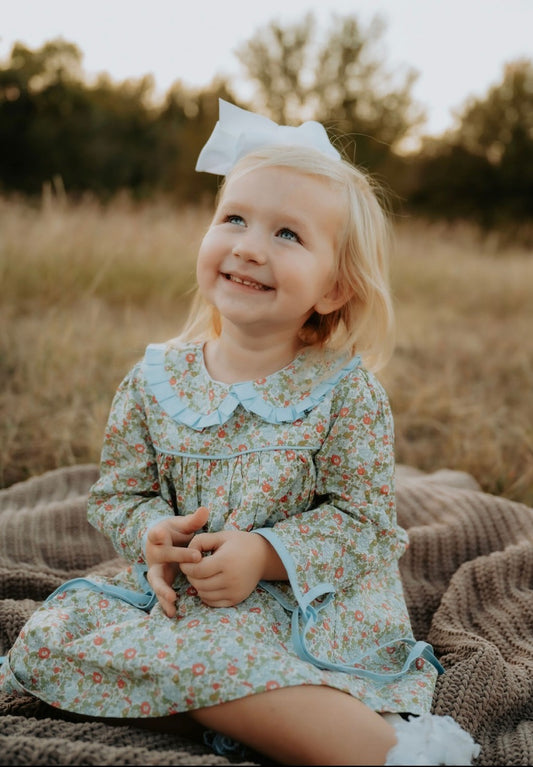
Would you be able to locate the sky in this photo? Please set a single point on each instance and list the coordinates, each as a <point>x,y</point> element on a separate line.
<point>458,47</point>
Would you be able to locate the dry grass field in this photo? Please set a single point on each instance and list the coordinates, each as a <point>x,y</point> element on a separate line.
<point>84,289</point>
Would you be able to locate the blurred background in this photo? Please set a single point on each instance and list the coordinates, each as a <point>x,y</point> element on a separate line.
<point>435,98</point>
<point>103,111</point>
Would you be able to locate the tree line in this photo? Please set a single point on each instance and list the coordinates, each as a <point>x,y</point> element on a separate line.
<point>104,137</point>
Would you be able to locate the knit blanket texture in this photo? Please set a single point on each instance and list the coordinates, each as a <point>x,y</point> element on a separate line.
<point>468,579</point>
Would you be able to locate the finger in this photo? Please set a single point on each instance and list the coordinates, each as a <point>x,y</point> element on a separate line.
<point>162,553</point>
<point>165,593</point>
<point>166,596</point>
<point>191,523</point>
<point>159,581</point>
<point>208,567</point>
<point>214,587</point>
<point>183,555</point>
<point>177,531</point>
<point>168,606</point>
<point>217,599</point>
<point>167,599</point>
<point>206,542</point>
<point>175,554</point>
<point>159,535</point>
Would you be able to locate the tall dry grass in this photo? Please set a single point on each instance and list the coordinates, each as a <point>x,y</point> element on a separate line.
<point>85,288</point>
<point>461,381</point>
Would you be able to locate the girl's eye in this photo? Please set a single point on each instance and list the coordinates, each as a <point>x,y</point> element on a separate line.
<point>288,234</point>
<point>234,218</point>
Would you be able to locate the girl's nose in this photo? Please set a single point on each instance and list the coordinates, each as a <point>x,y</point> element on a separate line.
<point>250,248</point>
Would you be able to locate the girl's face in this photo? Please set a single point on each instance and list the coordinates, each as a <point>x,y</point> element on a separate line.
<point>268,259</point>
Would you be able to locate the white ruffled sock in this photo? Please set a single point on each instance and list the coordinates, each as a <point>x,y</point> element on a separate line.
<point>430,740</point>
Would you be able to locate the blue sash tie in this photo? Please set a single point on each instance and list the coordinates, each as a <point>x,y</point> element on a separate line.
<point>305,612</point>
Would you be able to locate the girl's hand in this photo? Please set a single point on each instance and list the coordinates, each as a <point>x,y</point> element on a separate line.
<point>238,561</point>
<point>166,548</point>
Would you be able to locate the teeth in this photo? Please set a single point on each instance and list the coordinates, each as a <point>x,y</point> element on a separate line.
<point>248,283</point>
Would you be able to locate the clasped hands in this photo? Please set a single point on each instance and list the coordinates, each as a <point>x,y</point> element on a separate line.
<point>238,561</point>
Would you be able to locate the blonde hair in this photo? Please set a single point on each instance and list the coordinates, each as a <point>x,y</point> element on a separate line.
<point>365,323</point>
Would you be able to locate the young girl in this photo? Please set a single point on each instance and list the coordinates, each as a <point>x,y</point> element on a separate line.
<point>247,475</point>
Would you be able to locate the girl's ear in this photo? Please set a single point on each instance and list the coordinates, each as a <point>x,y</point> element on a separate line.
<point>336,297</point>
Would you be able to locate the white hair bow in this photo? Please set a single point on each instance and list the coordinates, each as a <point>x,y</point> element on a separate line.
<point>238,132</point>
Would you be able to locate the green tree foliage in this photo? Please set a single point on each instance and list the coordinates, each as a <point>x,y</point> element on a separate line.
<point>339,80</point>
<point>484,169</point>
<point>184,124</point>
<point>26,74</point>
<point>53,124</point>
<point>102,138</point>
<point>105,137</point>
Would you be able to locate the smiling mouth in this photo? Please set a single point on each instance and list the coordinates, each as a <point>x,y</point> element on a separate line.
<point>247,283</point>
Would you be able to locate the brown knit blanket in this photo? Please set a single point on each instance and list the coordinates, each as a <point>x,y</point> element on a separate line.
<point>468,577</point>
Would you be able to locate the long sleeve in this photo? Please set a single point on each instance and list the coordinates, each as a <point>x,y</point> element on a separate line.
<point>351,529</point>
<point>127,498</point>
<point>344,591</point>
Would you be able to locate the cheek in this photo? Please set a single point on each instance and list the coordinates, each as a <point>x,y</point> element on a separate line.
<point>204,275</point>
<point>207,260</point>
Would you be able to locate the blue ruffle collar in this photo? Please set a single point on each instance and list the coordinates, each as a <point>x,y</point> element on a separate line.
<point>179,381</point>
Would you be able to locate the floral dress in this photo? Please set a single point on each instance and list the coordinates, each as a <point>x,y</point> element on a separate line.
<point>303,457</point>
